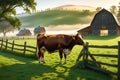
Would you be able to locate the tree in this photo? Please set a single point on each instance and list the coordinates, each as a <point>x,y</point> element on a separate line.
<point>86,11</point>
<point>8,12</point>
<point>113,9</point>
<point>118,15</point>
<point>98,9</point>
<point>5,27</point>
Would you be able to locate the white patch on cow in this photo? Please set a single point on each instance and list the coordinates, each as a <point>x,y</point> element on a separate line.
<point>66,51</point>
<point>43,49</point>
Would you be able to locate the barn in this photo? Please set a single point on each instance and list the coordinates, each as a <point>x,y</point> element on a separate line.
<point>39,30</point>
<point>24,32</point>
<point>102,24</point>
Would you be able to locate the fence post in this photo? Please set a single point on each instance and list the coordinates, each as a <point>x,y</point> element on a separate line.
<point>24,48</point>
<point>118,60</point>
<point>12,45</point>
<point>6,44</point>
<point>2,43</point>
<point>80,54</point>
<point>86,58</point>
<point>84,54</point>
<point>36,51</point>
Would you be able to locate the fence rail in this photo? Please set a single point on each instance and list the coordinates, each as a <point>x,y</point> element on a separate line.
<point>88,62</point>
<point>106,55</point>
<point>12,46</point>
<point>103,63</point>
<point>18,37</point>
<point>103,46</point>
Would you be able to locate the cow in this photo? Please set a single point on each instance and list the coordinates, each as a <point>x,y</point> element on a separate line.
<point>60,42</point>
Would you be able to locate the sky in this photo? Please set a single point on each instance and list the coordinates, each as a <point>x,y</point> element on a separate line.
<point>45,4</point>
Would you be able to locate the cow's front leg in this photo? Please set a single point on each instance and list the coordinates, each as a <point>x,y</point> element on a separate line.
<point>61,56</point>
<point>66,52</point>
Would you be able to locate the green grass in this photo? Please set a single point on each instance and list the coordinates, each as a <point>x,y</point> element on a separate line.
<point>13,67</point>
<point>56,17</point>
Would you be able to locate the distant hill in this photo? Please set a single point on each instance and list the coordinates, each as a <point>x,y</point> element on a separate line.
<point>76,7</point>
<point>57,17</point>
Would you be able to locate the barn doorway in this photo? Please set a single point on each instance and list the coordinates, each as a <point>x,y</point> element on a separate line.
<point>103,32</point>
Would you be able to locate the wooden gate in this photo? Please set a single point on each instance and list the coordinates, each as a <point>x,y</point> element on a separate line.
<point>91,62</point>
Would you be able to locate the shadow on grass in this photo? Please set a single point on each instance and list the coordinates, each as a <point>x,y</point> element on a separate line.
<point>35,71</point>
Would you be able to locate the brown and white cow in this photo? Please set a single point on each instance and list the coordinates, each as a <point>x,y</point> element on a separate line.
<point>61,42</point>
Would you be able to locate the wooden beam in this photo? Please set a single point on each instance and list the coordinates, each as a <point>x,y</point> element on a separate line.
<point>103,46</point>
<point>106,55</point>
<point>103,63</point>
<point>119,60</point>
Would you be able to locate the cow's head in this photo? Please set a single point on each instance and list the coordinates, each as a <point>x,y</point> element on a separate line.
<point>78,39</point>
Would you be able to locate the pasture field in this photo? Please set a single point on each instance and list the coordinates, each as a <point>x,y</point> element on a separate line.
<point>14,67</point>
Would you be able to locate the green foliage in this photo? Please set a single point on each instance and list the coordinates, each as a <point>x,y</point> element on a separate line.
<point>113,9</point>
<point>8,12</point>
<point>98,9</point>
<point>118,14</point>
<point>8,6</point>
<point>5,27</point>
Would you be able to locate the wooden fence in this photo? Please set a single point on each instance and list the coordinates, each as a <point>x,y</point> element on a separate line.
<point>90,59</point>
<point>19,37</point>
<point>12,46</point>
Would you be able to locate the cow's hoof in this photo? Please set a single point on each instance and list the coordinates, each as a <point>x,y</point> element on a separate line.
<point>44,62</point>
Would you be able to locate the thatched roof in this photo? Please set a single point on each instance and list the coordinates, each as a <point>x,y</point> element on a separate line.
<point>39,30</point>
<point>24,32</point>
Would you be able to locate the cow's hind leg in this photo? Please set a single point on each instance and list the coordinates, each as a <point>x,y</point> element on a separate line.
<point>43,57</point>
<point>42,50</point>
<point>65,56</point>
<point>39,56</point>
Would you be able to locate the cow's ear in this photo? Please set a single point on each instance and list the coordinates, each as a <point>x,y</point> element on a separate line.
<point>77,35</point>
